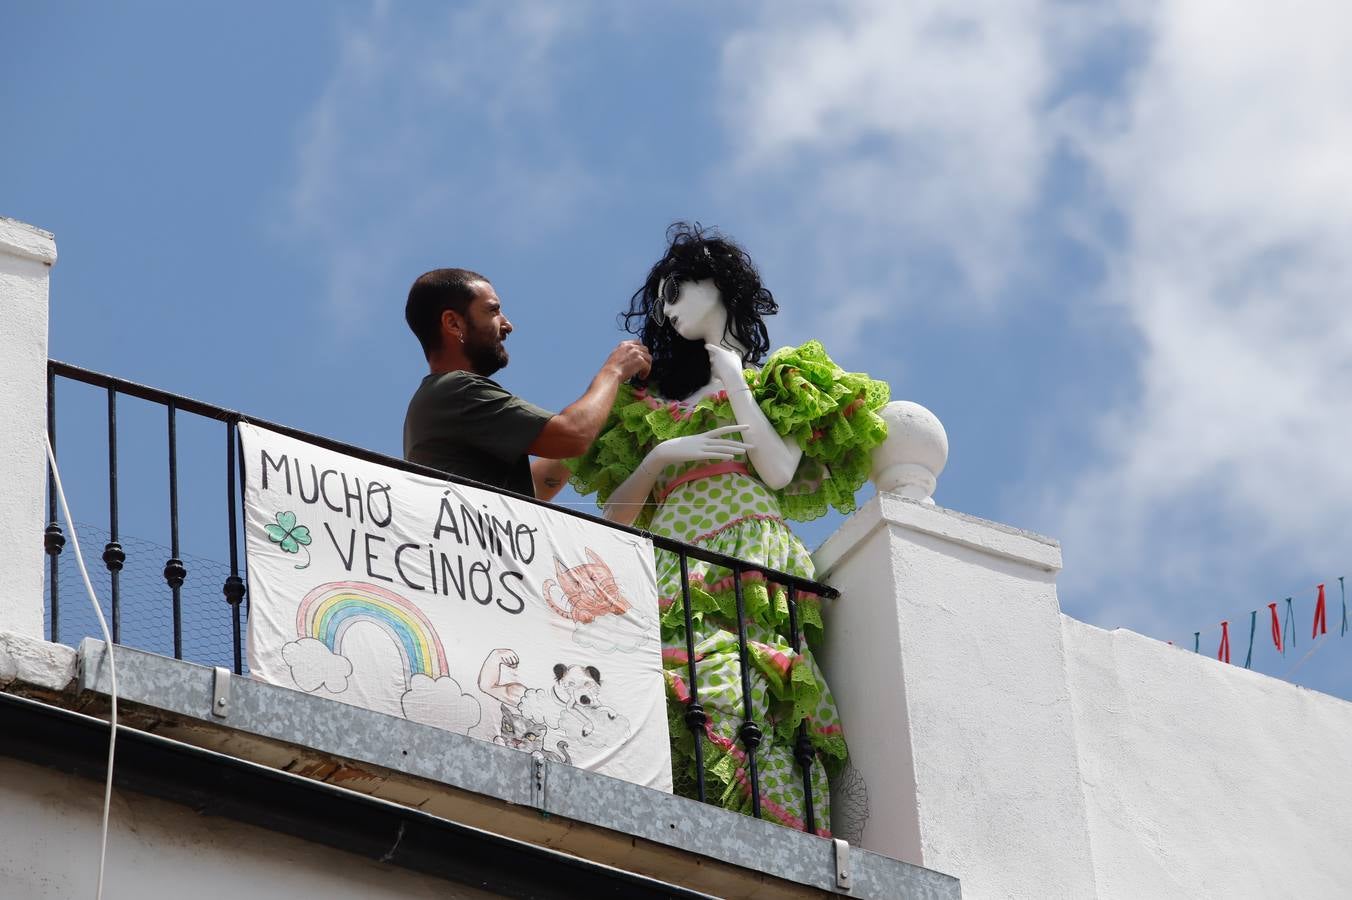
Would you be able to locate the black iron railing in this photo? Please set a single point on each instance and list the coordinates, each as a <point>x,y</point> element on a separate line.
<point>234,588</point>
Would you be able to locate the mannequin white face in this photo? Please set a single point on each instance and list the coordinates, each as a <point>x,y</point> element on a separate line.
<point>697,313</point>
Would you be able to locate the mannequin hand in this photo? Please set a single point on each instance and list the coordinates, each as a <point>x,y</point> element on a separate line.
<point>709,445</point>
<point>727,366</point>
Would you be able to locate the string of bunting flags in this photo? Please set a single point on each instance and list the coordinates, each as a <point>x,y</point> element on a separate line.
<point>1282,621</point>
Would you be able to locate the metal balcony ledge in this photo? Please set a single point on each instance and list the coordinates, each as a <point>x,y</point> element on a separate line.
<point>461,782</point>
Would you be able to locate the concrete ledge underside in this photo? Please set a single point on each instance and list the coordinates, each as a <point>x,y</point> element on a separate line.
<point>217,785</point>
<point>481,785</point>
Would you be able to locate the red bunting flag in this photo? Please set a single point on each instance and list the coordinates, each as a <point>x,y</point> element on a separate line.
<point>1223,654</point>
<point>1320,626</point>
<point>1276,627</point>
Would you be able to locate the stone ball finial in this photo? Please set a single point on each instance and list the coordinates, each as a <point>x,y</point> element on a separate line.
<point>915,452</point>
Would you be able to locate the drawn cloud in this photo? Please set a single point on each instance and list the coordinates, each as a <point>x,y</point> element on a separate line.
<point>616,634</point>
<point>313,665</point>
<point>440,702</point>
<point>606,731</point>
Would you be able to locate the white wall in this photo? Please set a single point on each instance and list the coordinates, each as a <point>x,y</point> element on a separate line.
<point>945,655</point>
<point>1203,779</point>
<point>49,850</point>
<point>1032,755</point>
<point>26,258</point>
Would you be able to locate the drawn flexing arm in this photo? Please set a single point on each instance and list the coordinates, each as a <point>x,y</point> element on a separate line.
<point>491,681</point>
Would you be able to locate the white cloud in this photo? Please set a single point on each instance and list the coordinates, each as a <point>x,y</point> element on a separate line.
<point>1231,163</point>
<point>439,125</point>
<point>615,633</point>
<point>907,151</point>
<point>1217,155</point>
<point>314,665</point>
<point>910,134</point>
<point>440,702</point>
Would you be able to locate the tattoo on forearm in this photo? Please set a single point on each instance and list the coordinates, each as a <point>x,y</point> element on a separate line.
<point>553,481</point>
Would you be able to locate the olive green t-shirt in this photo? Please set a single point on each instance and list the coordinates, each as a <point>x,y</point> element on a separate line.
<point>470,426</point>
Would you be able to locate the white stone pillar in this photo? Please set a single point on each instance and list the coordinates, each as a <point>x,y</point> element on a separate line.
<point>945,655</point>
<point>26,258</point>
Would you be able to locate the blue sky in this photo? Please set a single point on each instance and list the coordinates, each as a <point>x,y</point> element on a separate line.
<point>1104,242</point>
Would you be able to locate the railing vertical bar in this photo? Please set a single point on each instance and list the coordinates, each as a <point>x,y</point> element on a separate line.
<point>234,585</point>
<point>52,538</point>
<point>695,716</point>
<point>802,750</point>
<point>750,732</point>
<point>113,555</point>
<point>174,571</point>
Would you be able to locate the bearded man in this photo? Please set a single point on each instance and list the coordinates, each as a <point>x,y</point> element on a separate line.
<point>462,422</point>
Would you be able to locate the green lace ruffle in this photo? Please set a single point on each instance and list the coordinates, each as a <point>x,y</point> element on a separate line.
<point>831,413</point>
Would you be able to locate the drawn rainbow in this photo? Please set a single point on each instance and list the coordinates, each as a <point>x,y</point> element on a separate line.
<point>328,611</point>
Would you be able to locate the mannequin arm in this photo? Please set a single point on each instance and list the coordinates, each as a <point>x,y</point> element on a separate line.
<point>627,500</point>
<point>624,504</point>
<point>775,457</point>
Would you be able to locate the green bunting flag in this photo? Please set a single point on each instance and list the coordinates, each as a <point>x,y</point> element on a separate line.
<point>1342,591</point>
<point>1289,626</point>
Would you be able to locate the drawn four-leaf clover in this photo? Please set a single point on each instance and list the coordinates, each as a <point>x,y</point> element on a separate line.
<point>290,536</point>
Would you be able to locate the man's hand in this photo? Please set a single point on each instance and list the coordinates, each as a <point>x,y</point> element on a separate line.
<point>630,358</point>
<point>572,431</point>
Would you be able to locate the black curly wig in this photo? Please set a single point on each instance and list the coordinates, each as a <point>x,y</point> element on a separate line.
<point>680,366</point>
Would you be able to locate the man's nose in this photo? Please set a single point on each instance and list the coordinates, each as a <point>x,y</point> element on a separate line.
<point>506,326</point>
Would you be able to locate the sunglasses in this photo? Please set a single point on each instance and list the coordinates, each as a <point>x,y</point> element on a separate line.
<point>667,292</point>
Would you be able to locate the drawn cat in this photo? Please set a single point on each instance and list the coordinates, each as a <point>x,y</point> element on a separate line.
<point>522,733</point>
<point>586,591</point>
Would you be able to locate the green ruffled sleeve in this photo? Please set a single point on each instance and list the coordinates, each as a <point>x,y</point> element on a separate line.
<point>624,440</point>
<point>832,414</point>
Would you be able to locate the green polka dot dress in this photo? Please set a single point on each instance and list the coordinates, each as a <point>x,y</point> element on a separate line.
<point>723,506</point>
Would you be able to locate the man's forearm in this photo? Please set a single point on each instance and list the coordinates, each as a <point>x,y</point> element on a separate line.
<point>572,431</point>
<point>589,412</point>
<point>549,475</point>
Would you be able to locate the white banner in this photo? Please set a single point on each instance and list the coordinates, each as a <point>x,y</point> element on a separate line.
<point>453,606</point>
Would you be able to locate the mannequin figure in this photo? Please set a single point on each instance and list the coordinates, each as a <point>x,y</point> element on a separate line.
<point>718,453</point>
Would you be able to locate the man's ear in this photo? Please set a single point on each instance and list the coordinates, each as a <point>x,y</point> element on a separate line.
<point>453,325</point>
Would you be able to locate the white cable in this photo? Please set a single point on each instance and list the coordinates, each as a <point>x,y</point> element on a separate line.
<point>108,653</point>
<point>1303,659</point>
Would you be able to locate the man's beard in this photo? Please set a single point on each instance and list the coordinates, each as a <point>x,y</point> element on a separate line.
<point>485,352</point>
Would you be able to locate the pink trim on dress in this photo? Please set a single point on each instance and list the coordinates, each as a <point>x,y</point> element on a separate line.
<point>779,812</point>
<point>780,660</point>
<point>727,467</point>
<point>722,528</point>
<point>731,748</point>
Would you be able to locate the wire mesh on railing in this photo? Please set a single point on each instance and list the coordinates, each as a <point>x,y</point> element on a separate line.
<point>146,601</point>
<point>192,607</point>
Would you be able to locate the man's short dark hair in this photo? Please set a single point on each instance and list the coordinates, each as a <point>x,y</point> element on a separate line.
<point>432,294</point>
